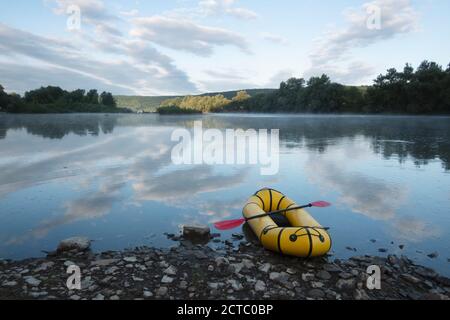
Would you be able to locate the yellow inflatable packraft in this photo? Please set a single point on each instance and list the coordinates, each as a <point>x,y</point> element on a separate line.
<point>305,238</point>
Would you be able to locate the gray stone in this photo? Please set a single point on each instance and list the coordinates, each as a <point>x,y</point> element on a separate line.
<point>237,286</point>
<point>324,275</point>
<point>130,259</point>
<point>103,262</point>
<point>265,267</point>
<point>248,263</point>
<point>410,278</point>
<point>221,260</point>
<point>260,286</point>
<point>433,255</point>
<point>99,297</point>
<point>345,275</point>
<point>147,294</point>
<point>44,266</point>
<point>196,232</point>
<point>112,270</point>
<point>38,294</point>
<point>213,285</point>
<point>331,268</point>
<point>32,281</point>
<point>114,297</point>
<point>183,285</point>
<point>307,276</point>
<point>9,284</point>
<point>316,294</point>
<point>291,271</point>
<point>162,291</point>
<point>360,294</point>
<point>167,280</point>
<point>171,271</point>
<point>75,243</point>
<point>346,284</point>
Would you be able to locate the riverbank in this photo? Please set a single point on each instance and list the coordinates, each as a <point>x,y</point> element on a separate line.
<point>189,271</point>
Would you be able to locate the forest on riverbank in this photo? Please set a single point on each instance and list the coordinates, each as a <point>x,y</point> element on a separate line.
<point>56,100</point>
<point>425,90</point>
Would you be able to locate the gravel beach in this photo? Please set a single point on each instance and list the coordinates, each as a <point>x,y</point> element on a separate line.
<point>188,271</point>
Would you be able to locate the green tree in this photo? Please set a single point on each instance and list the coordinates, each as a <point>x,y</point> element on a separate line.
<point>92,97</point>
<point>4,99</point>
<point>107,99</point>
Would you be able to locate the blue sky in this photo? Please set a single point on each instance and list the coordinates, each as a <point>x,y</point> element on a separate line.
<point>190,46</point>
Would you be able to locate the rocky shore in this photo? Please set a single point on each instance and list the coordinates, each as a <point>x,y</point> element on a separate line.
<point>188,271</point>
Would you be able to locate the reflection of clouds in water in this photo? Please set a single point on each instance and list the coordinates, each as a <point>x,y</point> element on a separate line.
<point>371,197</point>
<point>93,206</point>
<point>368,196</point>
<point>183,184</point>
<point>413,229</point>
<point>141,159</point>
<point>64,162</point>
<point>219,210</point>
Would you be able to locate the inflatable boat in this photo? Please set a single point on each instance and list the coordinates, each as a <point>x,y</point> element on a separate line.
<point>305,237</point>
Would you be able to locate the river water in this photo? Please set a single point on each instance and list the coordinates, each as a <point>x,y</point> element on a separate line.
<point>113,179</point>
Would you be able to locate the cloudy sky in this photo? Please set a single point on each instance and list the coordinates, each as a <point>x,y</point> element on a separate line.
<point>159,47</point>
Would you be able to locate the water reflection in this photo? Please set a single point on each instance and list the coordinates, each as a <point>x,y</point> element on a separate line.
<point>62,174</point>
<point>421,138</point>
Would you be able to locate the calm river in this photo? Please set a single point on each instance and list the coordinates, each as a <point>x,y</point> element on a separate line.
<point>112,178</point>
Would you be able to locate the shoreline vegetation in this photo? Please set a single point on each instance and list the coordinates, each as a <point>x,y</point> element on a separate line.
<point>56,100</point>
<point>238,270</point>
<point>421,91</point>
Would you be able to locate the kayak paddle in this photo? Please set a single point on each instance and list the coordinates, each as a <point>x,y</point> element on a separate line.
<point>231,224</point>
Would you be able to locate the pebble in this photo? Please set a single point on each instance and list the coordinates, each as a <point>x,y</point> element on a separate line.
<point>344,284</point>
<point>162,291</point>
<point>433,255</point>
<point>307,276</point>
<point>130,259</point>
<point>260,286</point>
<point>324,275</point>
<point>167,280</point>
<point>171,271</point>
<point>32,281</point>
<point>265,267</point>
<point>147,294</point>
<point>316,294</point>
<point>10,284</point>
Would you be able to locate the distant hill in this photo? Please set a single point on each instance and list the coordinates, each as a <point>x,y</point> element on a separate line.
<point>141,103</point>
<point>151,103</point>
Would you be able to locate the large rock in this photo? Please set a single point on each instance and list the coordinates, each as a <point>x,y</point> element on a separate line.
<point>75,244</point>
<point>197,233</point>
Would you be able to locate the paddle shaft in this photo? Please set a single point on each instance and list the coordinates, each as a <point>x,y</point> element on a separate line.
<point>279,211</point>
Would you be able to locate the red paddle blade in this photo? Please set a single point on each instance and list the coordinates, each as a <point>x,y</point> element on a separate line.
<point>230,224</point>
<point>321,204</point>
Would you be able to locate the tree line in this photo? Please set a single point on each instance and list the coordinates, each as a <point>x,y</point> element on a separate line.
<point>55,99</point>
<point>425,90</point>
<point>204,103</point>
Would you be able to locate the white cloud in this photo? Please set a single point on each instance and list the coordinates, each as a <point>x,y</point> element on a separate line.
<point>93,12</point>
<point>226,7</point>
<point>335,47</point>
<point>185,35</point>
<point>274,38</point>
<point>131,67</point>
